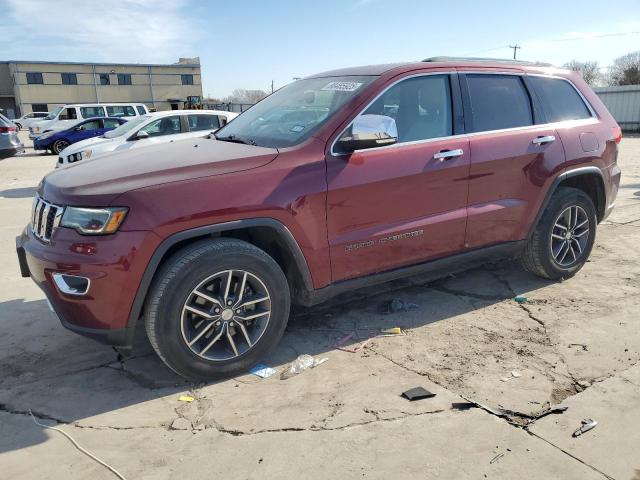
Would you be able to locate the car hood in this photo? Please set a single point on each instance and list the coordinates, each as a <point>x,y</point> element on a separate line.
<point>98,181</point>
<point>89,142</point>
<point>42,124</point>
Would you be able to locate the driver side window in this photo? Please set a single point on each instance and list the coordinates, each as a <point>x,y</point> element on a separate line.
<point>421,107</point>
<point>163,126</point>
<point>68,114</point>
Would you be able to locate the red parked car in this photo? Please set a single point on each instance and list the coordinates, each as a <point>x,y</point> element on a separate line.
<point>337,181</point>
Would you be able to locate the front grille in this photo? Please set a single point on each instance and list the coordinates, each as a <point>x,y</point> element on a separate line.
<point>45,218</point>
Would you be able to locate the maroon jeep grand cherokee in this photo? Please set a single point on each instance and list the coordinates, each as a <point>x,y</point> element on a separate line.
<point>337,181</point>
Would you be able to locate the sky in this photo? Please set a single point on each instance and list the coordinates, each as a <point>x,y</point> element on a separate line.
<point>250,43</point>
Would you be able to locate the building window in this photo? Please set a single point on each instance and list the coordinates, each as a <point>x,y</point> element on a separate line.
<point>69,79</point>
<point>34,78</point>
<point>187,79</point>
<point>39,107</point>
<point>105,79</point>
<point>124,79</point>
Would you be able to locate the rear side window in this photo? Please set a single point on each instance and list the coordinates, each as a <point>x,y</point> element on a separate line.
<point>121,111</point>
<point>203,122</point>
<point>559,99</point>
<point>92,125</point>
<point>498,101</point>
<point>111,123</point>
<point>141,110</point>
<point>89,112</point>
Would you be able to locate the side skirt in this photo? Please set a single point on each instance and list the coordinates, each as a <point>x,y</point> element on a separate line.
<point>433,270</point>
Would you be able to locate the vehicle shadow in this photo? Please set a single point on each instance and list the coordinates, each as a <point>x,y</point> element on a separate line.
<point>71,379</point>
<point>25,192</point>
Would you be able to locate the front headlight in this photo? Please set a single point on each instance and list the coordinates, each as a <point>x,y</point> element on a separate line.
<point>94,221</point>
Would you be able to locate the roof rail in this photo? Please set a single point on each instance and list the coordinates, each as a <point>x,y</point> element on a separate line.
<point>480,59</point>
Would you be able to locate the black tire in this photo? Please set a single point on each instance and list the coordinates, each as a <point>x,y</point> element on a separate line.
<point>59,145</point>
<point>19,126</point>
<point>173,286</point>
<point>538,255</point>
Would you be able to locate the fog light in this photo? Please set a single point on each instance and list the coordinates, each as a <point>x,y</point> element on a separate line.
<point>71,284</point>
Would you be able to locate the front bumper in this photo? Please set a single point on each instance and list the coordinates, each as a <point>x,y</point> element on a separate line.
<point>115,264</point>
<point>41,144</point>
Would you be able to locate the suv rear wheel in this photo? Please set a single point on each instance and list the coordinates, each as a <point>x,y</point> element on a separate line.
<point>564,236</point>
<point>217,307</point>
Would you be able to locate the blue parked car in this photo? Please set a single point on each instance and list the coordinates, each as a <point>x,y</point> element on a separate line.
<point>57,141</point>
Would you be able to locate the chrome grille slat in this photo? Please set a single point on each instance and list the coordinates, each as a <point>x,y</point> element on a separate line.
<point>45,218</point>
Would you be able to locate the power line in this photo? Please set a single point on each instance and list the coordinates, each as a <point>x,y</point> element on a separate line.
<point>571,39</point>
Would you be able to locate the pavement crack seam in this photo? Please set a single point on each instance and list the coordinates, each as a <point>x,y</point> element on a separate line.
<point>40,415</point>
<point>321,428</point>
<point>44,416</point>
<point>608,477</point>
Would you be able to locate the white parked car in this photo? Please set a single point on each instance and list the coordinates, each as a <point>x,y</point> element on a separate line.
<point>150,129</point>
<point>30,118</point>
<point>63,117</point>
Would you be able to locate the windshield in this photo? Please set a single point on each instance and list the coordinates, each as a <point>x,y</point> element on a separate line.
<point>126,127</point>
<point>291,115</point>
<point>53,114</point>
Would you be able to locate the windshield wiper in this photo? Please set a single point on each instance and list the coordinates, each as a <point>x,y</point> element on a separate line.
<point>235,139</point>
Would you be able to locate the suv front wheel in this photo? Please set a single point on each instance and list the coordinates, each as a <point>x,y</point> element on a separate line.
<point>563,238</point>
<point>216,308</point>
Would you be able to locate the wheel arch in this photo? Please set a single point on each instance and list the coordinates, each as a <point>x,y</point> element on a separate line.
<point>589,179</point>
<point>268,234</point>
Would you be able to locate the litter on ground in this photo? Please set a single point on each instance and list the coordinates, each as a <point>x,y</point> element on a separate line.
<point>263,371</point>
<point>586,425</point>
<point>417,393</point>
<point>300,364</point>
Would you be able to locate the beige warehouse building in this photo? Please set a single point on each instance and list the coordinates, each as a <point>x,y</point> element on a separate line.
<point>27,86</point>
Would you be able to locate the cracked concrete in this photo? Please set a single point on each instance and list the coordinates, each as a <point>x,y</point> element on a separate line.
<point>574,343</point>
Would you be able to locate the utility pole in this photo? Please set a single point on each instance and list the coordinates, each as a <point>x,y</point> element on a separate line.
<point>515,47</point>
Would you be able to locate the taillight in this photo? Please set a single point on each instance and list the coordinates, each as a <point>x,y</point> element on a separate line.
<point>8,129</point>
<point>617,134</point>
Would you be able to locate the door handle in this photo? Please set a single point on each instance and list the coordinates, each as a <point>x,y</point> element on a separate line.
<point>543,140</point>
<point>448,154</point>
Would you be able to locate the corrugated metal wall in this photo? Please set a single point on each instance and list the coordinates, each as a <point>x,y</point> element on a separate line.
<point>624,104</point>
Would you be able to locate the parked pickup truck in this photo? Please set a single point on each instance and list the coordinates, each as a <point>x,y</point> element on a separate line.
<point>337,181</point>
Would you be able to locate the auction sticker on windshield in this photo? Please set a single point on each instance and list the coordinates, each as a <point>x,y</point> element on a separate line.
<point>342,86</point>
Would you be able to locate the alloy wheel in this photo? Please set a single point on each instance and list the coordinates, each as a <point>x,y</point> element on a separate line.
<point>60,145</point>
<point>569,236</point>
<point>225,315</point>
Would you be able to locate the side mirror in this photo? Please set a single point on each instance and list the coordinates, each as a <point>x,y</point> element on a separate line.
<point>369,131</point>
<point>141,135</point>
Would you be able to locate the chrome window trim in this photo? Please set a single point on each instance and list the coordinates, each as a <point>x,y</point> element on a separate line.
<point>592,119</point>
<point>586,102</point>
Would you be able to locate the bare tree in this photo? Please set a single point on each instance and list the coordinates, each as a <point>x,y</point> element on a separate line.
<point>242,95</point>
<point>590,71</point>
<point>625,70</point>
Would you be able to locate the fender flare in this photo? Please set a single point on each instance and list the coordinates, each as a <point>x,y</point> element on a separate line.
<point>554,186</point>
<point>154,263</point>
